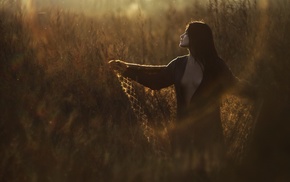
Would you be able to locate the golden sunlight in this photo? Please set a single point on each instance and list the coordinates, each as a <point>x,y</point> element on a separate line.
<point>97,7</point>
<point>132,9</point>
<point>27,5</point>
<point>263,4</point>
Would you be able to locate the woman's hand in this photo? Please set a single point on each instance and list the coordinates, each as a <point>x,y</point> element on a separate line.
<point>118,65</point>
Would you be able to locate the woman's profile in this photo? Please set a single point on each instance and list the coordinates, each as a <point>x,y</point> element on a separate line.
<point>200,79</point>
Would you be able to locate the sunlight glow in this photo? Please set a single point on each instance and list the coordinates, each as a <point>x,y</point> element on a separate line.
<point>97,7</point>
<point>263,4</point>
<point>27,5</point>
<point>133,9</point>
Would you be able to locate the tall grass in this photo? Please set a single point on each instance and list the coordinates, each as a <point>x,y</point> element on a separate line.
<point>64,116</point>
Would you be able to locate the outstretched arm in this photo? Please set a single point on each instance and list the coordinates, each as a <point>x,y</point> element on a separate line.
<point>236,85</point>
<point>153,76</point>
<point>245,89</point>
<point>242,88</point>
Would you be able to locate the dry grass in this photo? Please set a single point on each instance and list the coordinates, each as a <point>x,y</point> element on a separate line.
<point>64,116</point>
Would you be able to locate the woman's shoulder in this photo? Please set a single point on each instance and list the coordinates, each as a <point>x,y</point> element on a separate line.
<point>179,59</point>
<point>183,57</point>
<point>177,62</point>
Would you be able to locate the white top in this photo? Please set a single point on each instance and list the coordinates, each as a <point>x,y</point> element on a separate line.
<point>191,78</point>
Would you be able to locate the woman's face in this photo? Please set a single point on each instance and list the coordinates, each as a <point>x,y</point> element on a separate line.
<point>184,40</point>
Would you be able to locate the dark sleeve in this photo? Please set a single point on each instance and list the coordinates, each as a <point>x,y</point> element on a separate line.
<point>154,77</point>
<point>244,88</point>
<point>238,86</point>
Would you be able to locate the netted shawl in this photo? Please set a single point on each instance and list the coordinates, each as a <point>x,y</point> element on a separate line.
<point>155,111</point>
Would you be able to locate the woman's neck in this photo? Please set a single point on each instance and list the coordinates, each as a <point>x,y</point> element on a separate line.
<point>194,59</point>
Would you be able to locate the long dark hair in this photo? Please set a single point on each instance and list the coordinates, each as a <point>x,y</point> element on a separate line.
<point>201,43</point>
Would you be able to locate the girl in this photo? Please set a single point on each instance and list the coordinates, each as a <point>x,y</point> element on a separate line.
<point>200,78</point>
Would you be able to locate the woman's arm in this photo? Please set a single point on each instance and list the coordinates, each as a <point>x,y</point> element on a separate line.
<point>153,76</point>
<point>238,86</point>
<point>245,89</point>
<point>242,87</point>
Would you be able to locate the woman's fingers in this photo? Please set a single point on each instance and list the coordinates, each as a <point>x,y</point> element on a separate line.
<point>118,65</point>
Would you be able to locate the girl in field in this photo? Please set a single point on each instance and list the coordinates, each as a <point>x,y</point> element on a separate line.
<point>200,78</point>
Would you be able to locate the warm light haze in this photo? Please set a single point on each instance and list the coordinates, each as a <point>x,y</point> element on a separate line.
<point>95,7</point>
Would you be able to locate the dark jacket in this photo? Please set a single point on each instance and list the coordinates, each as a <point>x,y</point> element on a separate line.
<point>198,128</point>
<point>217,79</point>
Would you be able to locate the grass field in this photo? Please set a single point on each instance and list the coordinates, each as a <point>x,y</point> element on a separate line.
<point>64,116</point>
